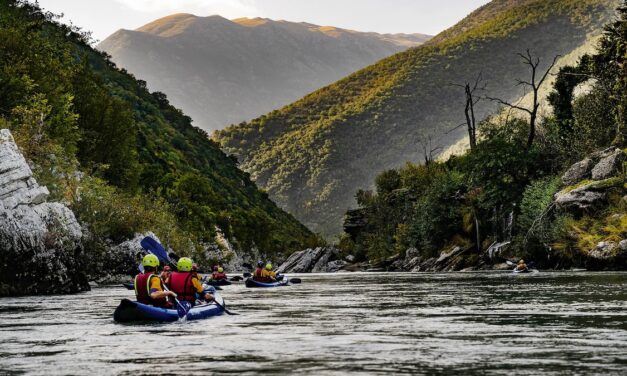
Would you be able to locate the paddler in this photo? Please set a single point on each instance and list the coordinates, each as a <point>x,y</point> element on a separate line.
<point>269,273</point>
<point>149,287</point>
<point>260,274</point>
<point>521,266</point>
<point>218,273</point>
<point>185,283</point>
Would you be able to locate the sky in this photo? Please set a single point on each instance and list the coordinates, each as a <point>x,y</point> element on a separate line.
<point>104,17</point>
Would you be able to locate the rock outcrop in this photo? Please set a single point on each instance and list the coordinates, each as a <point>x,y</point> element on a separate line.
<point>609,165</point>
<point>588,181</point>
<point>453,260</point>
<point>608,255</point>
<point>578,171</point>
<point>40,242</point>
<point>317,260</point>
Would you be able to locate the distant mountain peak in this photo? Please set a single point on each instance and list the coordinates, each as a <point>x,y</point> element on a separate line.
<point>223,72</point>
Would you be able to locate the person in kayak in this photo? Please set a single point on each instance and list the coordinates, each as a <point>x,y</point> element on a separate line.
<point>165,274</point>
<point>149,287</point>
<point>260,274</point>
<point>218,273</point>
<point>185,283</point>
<point>269,273</point>
<point>521,266</point>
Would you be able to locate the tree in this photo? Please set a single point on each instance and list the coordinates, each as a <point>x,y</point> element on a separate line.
<point>609,66</point>
<point>469,109</point>
<point>534,84</point>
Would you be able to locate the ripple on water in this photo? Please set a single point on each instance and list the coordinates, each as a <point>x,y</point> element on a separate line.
<point>467,323</point>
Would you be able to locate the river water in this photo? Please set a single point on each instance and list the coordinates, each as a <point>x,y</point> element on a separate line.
<point>371,323</point>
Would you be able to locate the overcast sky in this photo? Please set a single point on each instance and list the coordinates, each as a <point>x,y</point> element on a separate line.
<point>103,17</point>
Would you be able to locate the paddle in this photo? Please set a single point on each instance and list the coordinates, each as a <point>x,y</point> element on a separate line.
<point>295,280</point>
<point>181,309</point>
<point>247,275</point>
<point>154,247</point>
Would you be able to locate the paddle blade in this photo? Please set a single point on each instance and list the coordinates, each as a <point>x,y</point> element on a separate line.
<point>182,308</point>
<point>247,275</point>
<point>154,247</point>
<point>295,280</point>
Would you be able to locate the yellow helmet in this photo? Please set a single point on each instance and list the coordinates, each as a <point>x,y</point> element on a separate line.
<point>150,260</point>
<point>220,269</point>
<point>269,266</point>
<point>184,264</point>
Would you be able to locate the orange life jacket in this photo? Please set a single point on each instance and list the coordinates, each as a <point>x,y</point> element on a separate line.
<point>181,284</point>
<point>142,290</point>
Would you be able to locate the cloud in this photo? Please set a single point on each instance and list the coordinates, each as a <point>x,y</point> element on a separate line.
<point>227,8</point>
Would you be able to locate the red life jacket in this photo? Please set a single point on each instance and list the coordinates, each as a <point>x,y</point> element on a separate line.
<point>181,284</point>
<point>142,290</point>
<point>217,276</point>
<point>259,277</point>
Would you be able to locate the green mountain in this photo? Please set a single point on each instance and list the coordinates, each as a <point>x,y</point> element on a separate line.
<point>312,155</point>
<point>223,72</point>
<point>123,157</point>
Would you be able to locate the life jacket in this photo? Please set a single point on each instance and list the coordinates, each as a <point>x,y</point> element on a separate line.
<point>181,284</point>
<point>217,276</point>
<point>260,276</point>
<point>142,290</point>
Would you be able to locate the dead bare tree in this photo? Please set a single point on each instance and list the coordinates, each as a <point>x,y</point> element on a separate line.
<point>429,147</point>
<point>534,84</point>
<point>469,109</point>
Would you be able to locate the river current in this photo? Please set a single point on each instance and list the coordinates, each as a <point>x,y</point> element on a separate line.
<point>359,323</point>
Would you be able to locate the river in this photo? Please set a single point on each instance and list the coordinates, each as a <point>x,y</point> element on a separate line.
<point>370,323</point>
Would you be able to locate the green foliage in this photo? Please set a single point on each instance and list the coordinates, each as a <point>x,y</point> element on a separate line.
<point>311,155</point>
<point>74,113</point>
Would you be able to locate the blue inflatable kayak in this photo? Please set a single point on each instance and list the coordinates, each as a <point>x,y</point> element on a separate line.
<point>131,311</point>
<point>252,283</point>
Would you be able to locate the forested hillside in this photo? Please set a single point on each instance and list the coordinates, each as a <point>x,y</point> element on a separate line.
<point>123,157</point>
<point>313,155</point>
<point>559,201</point>
<point>223,72</point>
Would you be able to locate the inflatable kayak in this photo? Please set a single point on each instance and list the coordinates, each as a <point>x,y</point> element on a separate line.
<point>131,311</point>
<point>252,283</point>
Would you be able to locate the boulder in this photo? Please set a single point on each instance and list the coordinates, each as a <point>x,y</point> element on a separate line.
<point>578,171</point>
<point>40,242</point>
<point>608,255</point>
<point>609,165</point>
<point>317,260</point>
<point>586,196</point>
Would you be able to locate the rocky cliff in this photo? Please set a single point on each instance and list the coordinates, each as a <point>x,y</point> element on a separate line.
<point>40,242</point>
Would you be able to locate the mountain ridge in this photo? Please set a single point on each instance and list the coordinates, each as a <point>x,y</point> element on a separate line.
<point>312,155</point>
<point>224,71</point>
